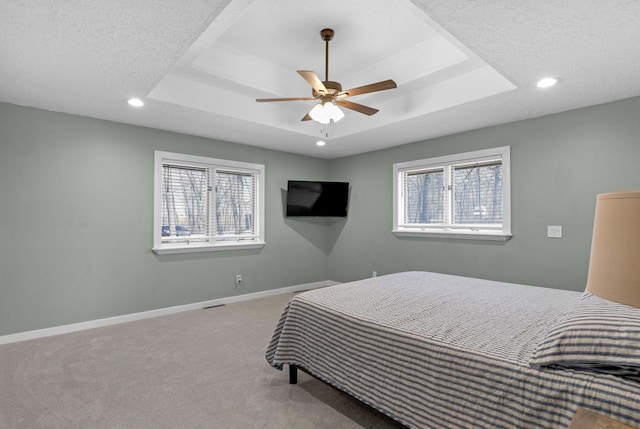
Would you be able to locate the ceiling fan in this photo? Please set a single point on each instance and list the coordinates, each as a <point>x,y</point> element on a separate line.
<point>330,93</point>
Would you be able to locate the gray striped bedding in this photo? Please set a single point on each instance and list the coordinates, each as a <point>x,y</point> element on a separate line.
<point>439,351</point>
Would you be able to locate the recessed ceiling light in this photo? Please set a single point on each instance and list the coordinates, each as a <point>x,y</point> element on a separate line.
<point>135,102</point>
<point>320,143</point>
<point>547,82</point>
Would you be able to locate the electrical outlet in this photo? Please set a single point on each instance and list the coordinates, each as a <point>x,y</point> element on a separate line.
<point>238,278</point>
<point>554,231</point>
<point>374,274</point>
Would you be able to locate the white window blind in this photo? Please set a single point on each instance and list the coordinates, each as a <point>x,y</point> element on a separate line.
<point>477,194</point>
<point>424,202</point>
<point>207,204</point>
<point>235,205</point>
<point>185,202</point>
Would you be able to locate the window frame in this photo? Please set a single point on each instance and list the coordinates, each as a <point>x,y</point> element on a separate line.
<point>258,170</point>
<point>449,230</point>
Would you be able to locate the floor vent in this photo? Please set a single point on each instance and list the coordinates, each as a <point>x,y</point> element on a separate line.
<point>213,306</point>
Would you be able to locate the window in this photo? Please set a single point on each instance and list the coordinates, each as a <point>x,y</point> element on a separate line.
<point>457,196</point>
<point>206,204</point>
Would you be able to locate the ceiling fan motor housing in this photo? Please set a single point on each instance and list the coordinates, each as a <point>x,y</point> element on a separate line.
<point>333,88</point>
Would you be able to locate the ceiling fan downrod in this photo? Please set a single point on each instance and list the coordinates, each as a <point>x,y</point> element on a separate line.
<point>327,36</point>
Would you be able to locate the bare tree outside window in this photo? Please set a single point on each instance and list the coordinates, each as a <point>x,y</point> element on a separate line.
<point>187,197</point>
<point>425,197</point>
<point>185,201</point>
<point>234,203</point>
<point>478,194</point>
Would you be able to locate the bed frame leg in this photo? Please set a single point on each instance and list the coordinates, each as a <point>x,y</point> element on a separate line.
<point>293,374</point>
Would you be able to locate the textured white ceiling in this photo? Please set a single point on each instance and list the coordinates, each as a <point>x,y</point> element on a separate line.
<point>87,58</point>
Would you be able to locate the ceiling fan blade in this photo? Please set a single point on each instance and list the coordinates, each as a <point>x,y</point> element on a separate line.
<point>313,80</point>
<point>374,87</point>
<point>357,107</point>
<point>306,118</point>
<point>263,100</point>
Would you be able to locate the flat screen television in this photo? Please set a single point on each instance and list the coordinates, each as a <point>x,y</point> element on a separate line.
<point>327,199</point>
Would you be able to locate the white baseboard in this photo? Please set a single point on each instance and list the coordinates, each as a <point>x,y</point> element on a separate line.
<point>74,327</point>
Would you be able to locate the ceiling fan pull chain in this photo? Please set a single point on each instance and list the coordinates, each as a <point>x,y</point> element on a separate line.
<point>324,129</point>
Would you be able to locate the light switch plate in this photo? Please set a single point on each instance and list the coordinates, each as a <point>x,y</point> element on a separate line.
<point>554,231</point>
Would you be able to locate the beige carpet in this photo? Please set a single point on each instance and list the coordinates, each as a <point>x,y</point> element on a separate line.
<point>197,369</point>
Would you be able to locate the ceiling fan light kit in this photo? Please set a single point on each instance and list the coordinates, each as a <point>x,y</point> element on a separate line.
<point>325,112</point>
<point>330,93</point>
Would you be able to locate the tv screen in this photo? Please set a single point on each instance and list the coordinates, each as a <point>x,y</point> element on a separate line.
<point>306,198</point>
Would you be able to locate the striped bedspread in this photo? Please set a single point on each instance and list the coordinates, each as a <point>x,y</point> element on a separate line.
<point>439,351</point>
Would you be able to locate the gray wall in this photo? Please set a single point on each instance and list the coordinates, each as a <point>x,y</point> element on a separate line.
<point>559,164</point>
<point>76,214</point>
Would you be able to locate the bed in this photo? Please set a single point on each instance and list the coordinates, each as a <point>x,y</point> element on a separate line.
<point>439,351</point>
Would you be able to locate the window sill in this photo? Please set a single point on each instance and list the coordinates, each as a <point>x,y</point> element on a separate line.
<point>168,250</point>
<point>455,235</point>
